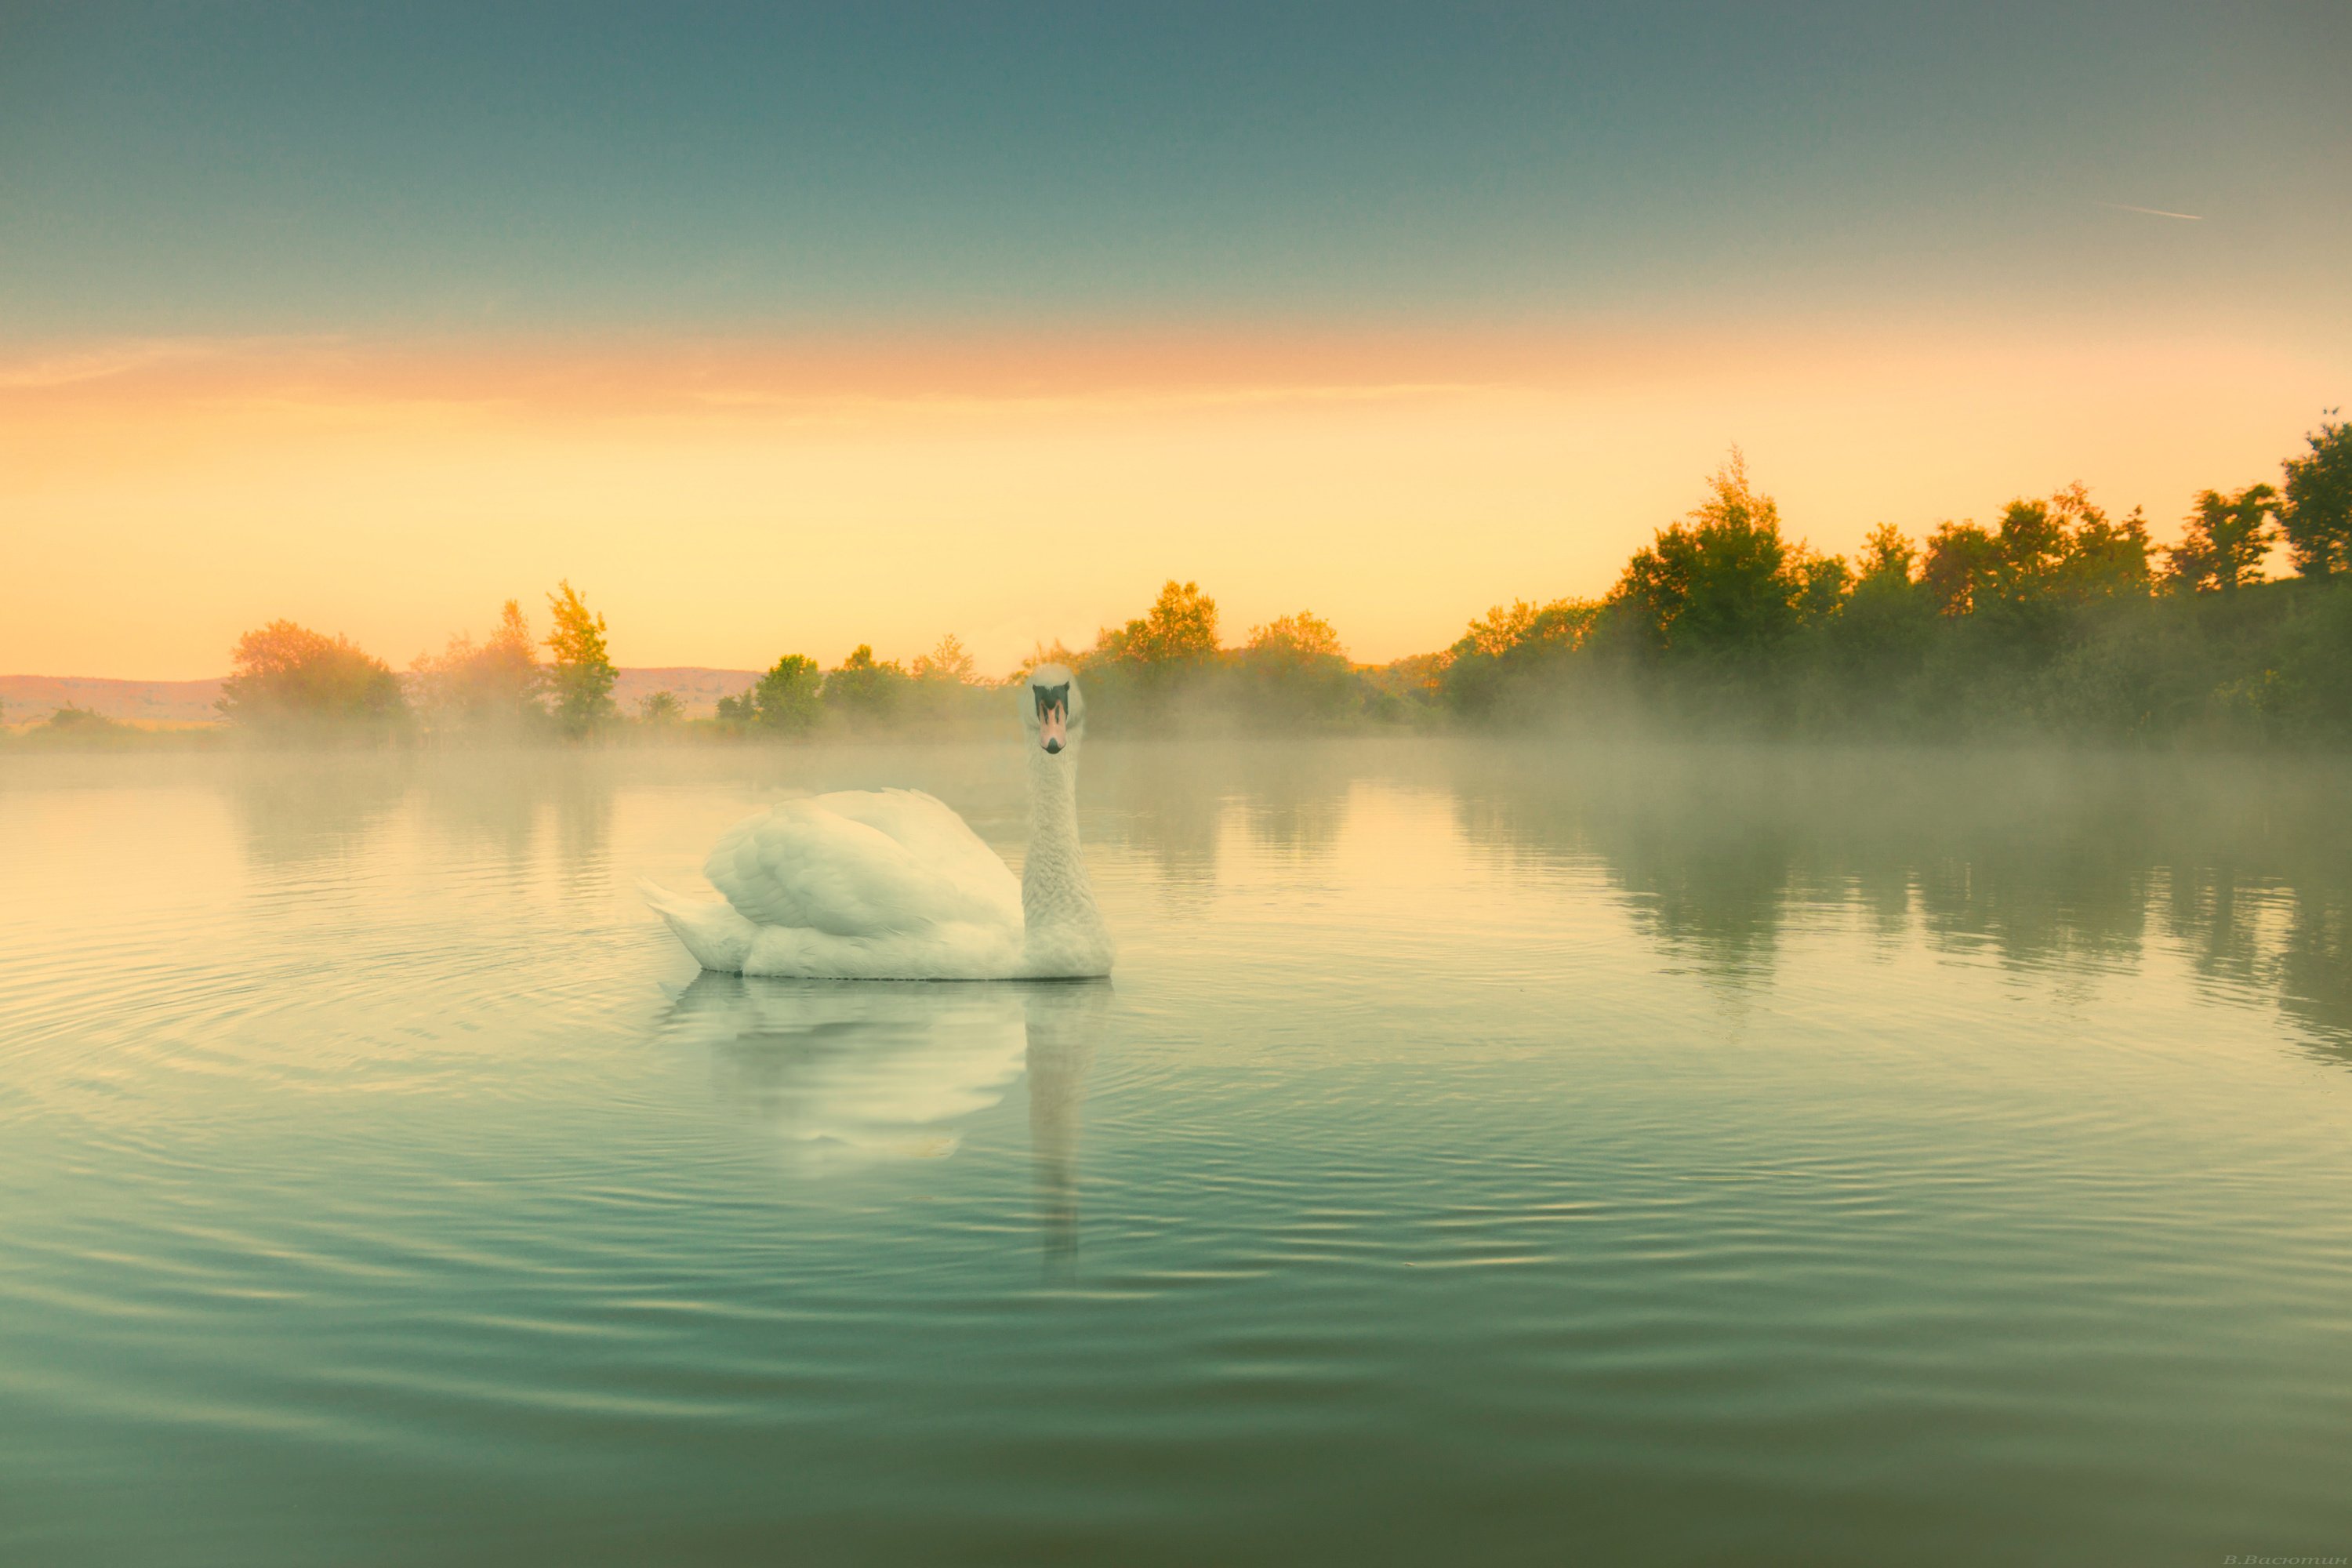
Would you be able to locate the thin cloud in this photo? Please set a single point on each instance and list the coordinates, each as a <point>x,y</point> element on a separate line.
<point>2152,212</point>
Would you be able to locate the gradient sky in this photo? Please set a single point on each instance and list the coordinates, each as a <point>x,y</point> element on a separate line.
<point>780,329</point>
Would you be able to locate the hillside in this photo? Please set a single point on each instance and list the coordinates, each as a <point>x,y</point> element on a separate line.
<point>31,698</point>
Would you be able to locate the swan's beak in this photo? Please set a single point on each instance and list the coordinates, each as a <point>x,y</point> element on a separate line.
<point>1052,730</point>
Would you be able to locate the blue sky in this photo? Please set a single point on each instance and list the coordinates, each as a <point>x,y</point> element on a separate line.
<point>986,319</point>
<point>239,168</point>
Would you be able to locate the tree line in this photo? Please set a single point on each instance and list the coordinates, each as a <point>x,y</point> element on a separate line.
<point>2056,617</point>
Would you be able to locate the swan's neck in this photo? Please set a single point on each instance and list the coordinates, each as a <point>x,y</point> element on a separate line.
<point>1062,933</point>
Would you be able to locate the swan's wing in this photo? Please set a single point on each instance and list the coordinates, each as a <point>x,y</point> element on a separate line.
<point>929,829</point>
<point>813,864</point>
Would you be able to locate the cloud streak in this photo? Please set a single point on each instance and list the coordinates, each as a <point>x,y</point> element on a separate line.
<point>2153,212</point>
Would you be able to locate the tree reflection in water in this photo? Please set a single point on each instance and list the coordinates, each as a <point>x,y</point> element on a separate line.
<point>2064,863</point>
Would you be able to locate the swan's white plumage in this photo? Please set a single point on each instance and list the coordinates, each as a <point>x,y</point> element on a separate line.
<point>893,885</point>
<point>864,862</point>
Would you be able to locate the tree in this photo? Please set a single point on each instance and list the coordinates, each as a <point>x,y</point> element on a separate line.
<point>1294,667</point>
<point>1962,564</point>
<point>785,701</point>
<point>2316,511</point>
<point>1299,638</point>
<point>493,686</point>
<point>1879,639</point>
<point>1179,630</point>
<point>863,689</point>
<point>1507,628</point>
<point>1722,584</point>
<point>582,677</point>
<point>946,662</point>
<point>2223,545</point>
<point>286,675</point>
<point>1514,645</point>
<point>2103,558</point>
<point>1888,555</point>
<point>659,707</point>
<point>2047,553</point>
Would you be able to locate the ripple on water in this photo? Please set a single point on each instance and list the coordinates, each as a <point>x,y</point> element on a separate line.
<point>1463,1163</point>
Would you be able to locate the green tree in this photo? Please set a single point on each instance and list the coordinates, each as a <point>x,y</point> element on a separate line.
<point>1723,585</point>
<point>864,690</point>
<point>785,701</point>
<point>2104,559</point>
<point>1179,630</point>
<point>2316,511</point>
<point>1294,668</point>
<point>286,676</point>
<point>582,674</point>
<point>1962,564</point>
<point>2223,545</point>
<point>1881,636</point>
<point>659,709</point>
<point>1512,648</point>
<point>947,662</point>
<point>2047,553</point>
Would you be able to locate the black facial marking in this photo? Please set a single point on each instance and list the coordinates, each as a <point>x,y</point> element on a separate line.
<point>1051,699</point>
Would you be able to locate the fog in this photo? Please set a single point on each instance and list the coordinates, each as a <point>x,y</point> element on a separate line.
<point>2038,859</point>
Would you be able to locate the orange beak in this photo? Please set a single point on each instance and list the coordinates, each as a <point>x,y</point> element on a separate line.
<point>1052,730</point>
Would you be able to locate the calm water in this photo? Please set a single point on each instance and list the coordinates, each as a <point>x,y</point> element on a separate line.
<point>1481,1155</point>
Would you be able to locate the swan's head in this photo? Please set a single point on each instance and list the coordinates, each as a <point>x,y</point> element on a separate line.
<point>1053,707</point>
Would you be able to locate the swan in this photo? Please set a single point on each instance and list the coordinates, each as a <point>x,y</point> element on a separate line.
<point>892,885</point>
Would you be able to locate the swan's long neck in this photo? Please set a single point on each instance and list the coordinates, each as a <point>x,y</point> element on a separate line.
<point>1063,934</point>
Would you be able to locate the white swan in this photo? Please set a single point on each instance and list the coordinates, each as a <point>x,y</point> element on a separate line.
<point>892,885</point>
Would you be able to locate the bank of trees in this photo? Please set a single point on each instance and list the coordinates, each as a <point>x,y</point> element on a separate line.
<point>289,681</point>
<point>2057,616</point>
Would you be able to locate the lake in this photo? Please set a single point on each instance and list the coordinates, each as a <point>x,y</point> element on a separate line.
<point>1484,1153</point>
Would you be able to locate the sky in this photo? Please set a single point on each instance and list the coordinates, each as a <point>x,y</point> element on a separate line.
<point>779,328</point>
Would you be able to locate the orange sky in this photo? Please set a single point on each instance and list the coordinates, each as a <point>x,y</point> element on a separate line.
<point>723,503</point>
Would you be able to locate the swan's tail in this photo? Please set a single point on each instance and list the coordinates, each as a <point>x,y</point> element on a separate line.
<point>716,933</point>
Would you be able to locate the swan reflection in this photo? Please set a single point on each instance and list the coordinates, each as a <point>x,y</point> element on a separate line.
<point>1064,1023</point>
<point>856,1071</point>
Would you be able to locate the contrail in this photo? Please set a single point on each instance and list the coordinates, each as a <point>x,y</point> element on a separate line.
<point>2152,212</point>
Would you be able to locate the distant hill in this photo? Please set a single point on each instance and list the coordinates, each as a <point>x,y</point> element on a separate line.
<point>35,697</point>
<point>31,698</point>
<point>699,689</point>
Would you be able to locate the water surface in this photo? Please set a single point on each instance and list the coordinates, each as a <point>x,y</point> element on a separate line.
<point>1483,1153</point>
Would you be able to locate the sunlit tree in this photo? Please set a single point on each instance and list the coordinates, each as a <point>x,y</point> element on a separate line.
<point>1881,635</point>
<point>1293,669</point>
<point>864,690</point>
<point>1512,645</point>
<point>660,708</point>
<point>1179,630</point>
<point>1302,638</point>
<point>2047,553</point>
<point>945,662</point>
<point>2223,542</point>
<point>785,701</point>
<point>582,675</point>
<point>494,685</point>
<point>1723,584</point>
<point>2316,511</point>
<point>287,676</point>
<point>1962,563</point>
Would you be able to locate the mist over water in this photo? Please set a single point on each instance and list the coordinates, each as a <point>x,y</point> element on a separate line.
<point>1483,1151</point>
